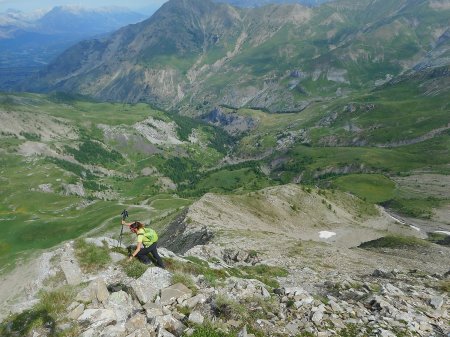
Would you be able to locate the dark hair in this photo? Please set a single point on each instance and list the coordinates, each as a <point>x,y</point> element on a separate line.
<point>137,225</point>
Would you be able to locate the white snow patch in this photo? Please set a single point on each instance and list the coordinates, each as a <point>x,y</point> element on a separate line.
<point>326,234</point>
<point>414,227</point>
<point>443,232</point>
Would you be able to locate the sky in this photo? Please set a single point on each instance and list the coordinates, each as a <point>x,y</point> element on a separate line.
<point>30,5</point>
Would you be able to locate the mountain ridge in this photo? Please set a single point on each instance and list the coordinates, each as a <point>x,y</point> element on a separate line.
<point>239,60</point>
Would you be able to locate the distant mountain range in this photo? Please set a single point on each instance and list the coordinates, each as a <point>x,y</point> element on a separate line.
<point>259,3</point>
<point>197,54</point>
<point>29,41</point>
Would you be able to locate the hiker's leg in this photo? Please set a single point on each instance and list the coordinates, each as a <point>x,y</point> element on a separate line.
<point>142,255</point>
<point>154,251</point>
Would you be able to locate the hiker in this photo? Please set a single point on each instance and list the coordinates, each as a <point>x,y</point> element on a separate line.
<point>147,241</point>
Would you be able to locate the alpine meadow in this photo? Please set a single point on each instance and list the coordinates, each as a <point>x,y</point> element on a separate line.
<point>293,158</point>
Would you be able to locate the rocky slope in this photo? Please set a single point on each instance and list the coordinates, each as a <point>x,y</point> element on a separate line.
<point>163,303</point>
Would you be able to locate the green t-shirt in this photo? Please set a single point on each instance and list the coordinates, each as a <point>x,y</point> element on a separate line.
<point>147,236</point>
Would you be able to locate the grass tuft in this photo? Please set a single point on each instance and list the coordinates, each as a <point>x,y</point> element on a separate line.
<point>445,286</point>
<point>55,302</point>
<point>227,308</point>
<point>185,279</point>
<point>133,268</point>
<point>91,257</point>
<point>246,310</point>
<point>210,331</point>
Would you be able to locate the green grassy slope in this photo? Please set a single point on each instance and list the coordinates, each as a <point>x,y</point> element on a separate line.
<point>36,211</point>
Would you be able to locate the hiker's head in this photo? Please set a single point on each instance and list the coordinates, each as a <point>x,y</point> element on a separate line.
<point>136,225</point>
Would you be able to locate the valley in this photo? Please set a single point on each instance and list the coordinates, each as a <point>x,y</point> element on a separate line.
<point>70,164</point>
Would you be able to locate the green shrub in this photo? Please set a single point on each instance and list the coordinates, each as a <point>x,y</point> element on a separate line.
<point>305,334</point>
<point>94,185</point>
<point>76,169</point>
<point>227,309</point>
<point>247,310</point>
<point>120,250</point>
<point>30,136</point>
<point>351,330</point>
<point>262,269</point>
<point>91,152</point>
<point>394,241</point>
<point>133,268</point>
<point>23,323</point>
<point>263,273</point>
<point>91,257</point>
<point>253,253</point>
<point>197,260</point>
<point>439,238</point>
<point>418,208</point>
<point>184,310</point>
<point>210,331</point>
<point>180,169</point>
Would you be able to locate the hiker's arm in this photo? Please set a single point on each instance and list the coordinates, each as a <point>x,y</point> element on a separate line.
<point>138,248</point>
<point>126,223</point>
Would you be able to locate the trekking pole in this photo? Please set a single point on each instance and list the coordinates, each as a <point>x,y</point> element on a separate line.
<point>124,215</point>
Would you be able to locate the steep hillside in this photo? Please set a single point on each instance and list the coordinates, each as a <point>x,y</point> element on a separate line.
<point>195,54</point>
<point>68,164</point>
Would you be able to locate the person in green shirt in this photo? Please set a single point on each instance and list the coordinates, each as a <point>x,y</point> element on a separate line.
<point>147,242</point>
